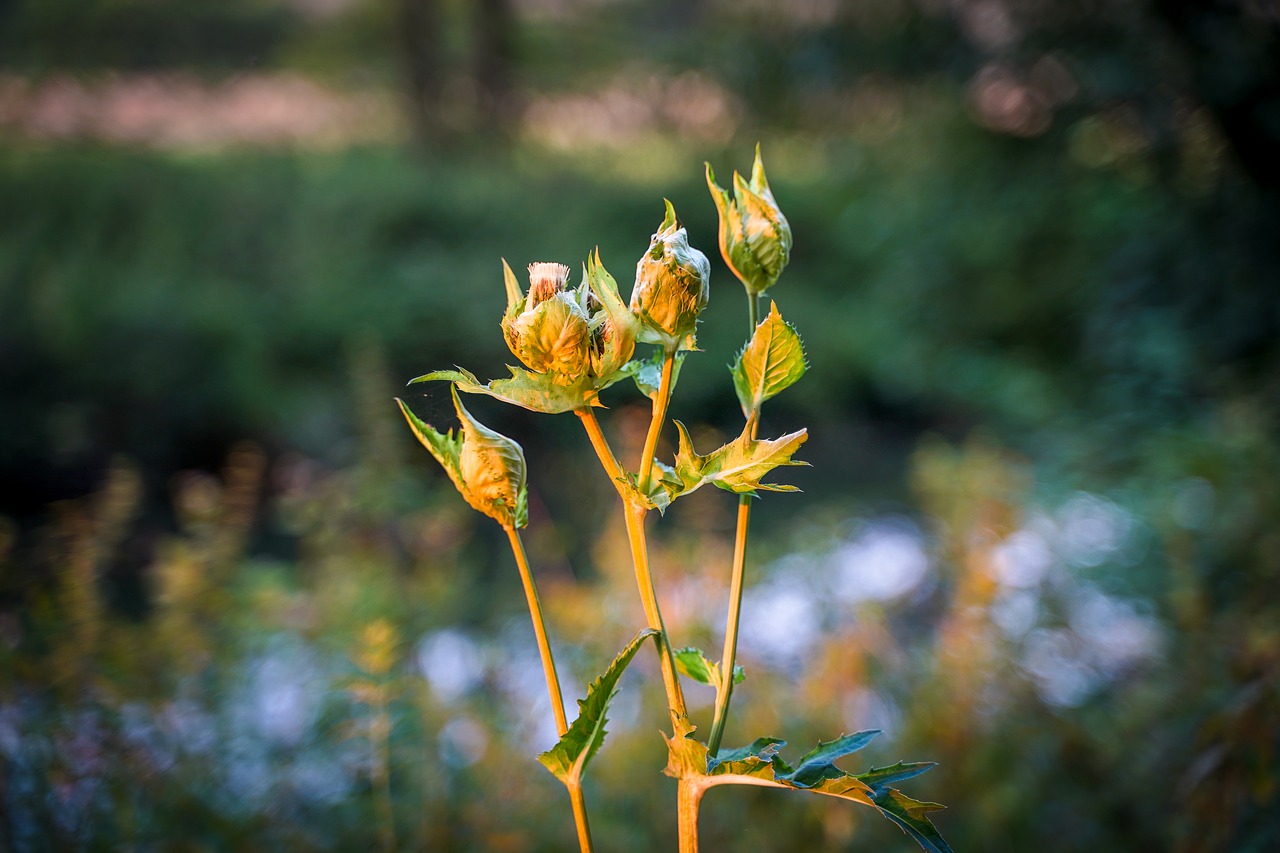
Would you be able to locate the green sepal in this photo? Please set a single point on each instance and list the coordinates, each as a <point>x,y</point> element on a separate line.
<point>622,324</point>
<point>568,758</point>
<point>537,392</point>
<point>515,294</point>
<point>647,372</point>
<point>771,362</point>
<point>692,663</point>
<point>737,466</point>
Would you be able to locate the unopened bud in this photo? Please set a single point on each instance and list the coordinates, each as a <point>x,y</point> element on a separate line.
<point>548,329</point>
<point>755,238</point>
<point>672,285</point>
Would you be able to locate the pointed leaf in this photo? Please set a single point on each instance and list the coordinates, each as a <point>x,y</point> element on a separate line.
<point>692,663</point>
<point>771,362</point>
<point>881,777</point>
<point>911,816</point>
<point>737,466</point>
<point>537,392</point>
<point>755,759</point>
<point>818,763</point>
<point>445,447</point>
<point>568,758</point>
<point>647,372</point>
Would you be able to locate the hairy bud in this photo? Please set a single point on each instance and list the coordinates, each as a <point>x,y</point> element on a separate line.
<point>672,286</point>
<point>755,238</point>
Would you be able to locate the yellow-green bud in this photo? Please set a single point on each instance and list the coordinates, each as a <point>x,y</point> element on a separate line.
<point>548,330</point>
<point>672,286</point>
<point>487,468</point>
<point>755,238</point>
<point>492,470</point>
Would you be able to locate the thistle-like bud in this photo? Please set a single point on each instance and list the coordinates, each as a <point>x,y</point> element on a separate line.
<point>755,238</point>
<point>672,286</point>
<point>548,329</point>
<point>487,468</point>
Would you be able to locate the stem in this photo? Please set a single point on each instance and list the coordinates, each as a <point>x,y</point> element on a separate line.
<point>539,629</point>
<point>659,415</point>
<point>634,515</point>
<point>649,598</point>
<point>728,656</point>
<point>688,799</point>
<point>580,817</point>
<point>553,681</point>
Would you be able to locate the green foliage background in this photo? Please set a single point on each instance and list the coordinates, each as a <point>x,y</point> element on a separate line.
<point>1060,337</point>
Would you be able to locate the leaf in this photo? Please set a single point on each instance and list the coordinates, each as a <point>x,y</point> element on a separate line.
<point>760,764</point>
<point>692,663</point>
<point>750,760</point>
<point>818,763</point>
<point>880,777</point>
<point>737,466</point>
<point>568,758</point>
<point>537,392</point>
<point>772,361</point>
<point>647,372</point>
<point>911,816</point>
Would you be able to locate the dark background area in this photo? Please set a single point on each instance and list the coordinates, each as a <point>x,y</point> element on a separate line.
<point>1036,273</point>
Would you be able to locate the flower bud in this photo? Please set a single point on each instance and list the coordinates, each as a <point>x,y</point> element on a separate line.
<point>548,329</point>
<point>755,238</point>
<point>487,468</point>
<point>672,286</point>
<point>492,469</point>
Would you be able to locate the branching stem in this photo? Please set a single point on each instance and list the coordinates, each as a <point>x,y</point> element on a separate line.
<point>660,403</point>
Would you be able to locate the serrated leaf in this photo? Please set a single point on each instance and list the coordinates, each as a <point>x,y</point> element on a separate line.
<point>692,663</point>
<point>568,758</point>
<point>750,760</point>
<point>537,392</point>
<point>771,362</point>
<point>737,466</point>
<point>881,777</point>
<point>760,764</point>
<point>817,764</point>
<point>911,816</point>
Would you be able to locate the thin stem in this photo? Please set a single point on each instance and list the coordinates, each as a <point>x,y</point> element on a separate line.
<point>580,817</point>
<point>601,446</point>
<point>660,403</point>
<point>553,681</point>
<point>649,598</point>
<point>728,656</point>
<point>634,516</point>
<point>539,628</point>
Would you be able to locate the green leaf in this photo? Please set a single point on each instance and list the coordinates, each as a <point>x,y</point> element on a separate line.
<point>880,777</point>
<point>772,361</point>
<point>911,816</point>
<point>818,764</point>
<point>755,759</point>
<point>737,466</point>
<point>568,758</point>
<point>692,663</point>
<point>760,764</point>
<point>537,392</point>
<point>647,372</point>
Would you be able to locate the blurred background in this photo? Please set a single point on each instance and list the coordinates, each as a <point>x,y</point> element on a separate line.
<point>1036,271</point>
